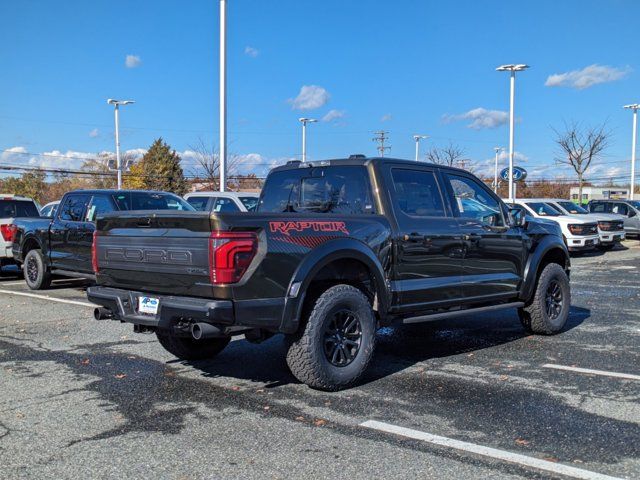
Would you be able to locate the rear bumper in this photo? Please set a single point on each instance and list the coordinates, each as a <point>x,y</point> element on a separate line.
<point>123,305</point>
<point>6,251</point>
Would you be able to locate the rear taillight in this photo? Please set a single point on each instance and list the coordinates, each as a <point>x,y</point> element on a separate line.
<point>230,254</point>
<point>8,232</point>
<point>94,252</point>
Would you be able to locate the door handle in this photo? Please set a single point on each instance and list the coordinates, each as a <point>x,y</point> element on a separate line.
<point>471,237</point>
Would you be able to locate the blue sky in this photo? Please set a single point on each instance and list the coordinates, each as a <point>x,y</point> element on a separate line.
<point>405,66</point>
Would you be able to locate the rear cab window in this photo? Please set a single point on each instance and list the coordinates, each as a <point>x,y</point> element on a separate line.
<point>334,189</point>
<point>18,208</point>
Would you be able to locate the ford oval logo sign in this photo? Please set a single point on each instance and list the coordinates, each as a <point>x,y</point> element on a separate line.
<point>519,174</point>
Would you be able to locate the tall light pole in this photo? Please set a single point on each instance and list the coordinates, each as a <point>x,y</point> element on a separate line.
<point>634,107</point>
<point>417,138</point>
<point>304,122</point>
<point>495,173</point>
<point>116,104</point>
<point>513,69</point>
<point>223,94</point>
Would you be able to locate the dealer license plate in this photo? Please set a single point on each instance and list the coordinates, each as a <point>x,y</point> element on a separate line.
<point>148,305</point>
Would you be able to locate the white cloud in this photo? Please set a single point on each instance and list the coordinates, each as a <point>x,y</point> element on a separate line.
<point>132,61</point>
<point>251,51</point>
<point>587,77</point>
<point>309,98</point>
<point>333,115</point>
<point>481,118</point>
<point>386,117</point>
<point>94,133</point>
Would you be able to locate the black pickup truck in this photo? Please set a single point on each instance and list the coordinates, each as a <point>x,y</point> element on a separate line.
<point>62,245</point>
<point>336,250</point>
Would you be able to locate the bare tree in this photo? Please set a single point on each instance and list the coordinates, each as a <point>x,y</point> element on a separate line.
<point>208,164</point>
<point>451,155</point>
<point>580,146</point>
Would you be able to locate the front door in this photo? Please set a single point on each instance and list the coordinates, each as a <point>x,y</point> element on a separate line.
<point>494,251</point>
<point>428,245</point>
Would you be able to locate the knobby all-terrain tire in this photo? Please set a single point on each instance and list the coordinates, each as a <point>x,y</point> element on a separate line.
<point>306,356</point>
<point>190,349</point>
<point>36,274</point>
<point>534,316</point>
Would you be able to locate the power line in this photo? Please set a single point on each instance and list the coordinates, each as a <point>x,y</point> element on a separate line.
<point>381,137</point>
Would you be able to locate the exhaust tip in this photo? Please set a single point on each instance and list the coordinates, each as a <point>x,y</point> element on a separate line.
<point>196,331</point>
<point>102,313</point>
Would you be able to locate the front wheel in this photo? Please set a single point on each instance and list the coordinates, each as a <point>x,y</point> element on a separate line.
<point>36,274</point>
<point>190,349</point>
<point>548,310</point>
<point>334,347</point>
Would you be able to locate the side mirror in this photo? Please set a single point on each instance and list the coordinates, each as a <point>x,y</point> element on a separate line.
<point>518,217</point>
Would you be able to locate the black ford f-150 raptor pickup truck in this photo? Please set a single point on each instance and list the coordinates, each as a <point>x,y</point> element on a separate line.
<point>62,245</point>
<point>336,250</point>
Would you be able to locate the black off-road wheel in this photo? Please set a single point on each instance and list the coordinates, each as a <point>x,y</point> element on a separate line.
<point>36,274</point>
<point>548,310</point>
<point>334,346</point>
<point>190,349</point>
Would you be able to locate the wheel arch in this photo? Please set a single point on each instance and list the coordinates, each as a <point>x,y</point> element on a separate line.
<point>548,251</point>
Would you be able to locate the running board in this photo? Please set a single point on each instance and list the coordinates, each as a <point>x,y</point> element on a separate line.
<point>461,312</point>
<point>72,274</point>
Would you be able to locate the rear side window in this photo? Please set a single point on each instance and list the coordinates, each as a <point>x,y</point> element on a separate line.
<point>417,193</point>
<point>150,201</point>
<point>225,205</point>
<point>100,204</point>
<point>598,207</point>
<point>250,203</point>
<point>199,203</point>
<point>18,208</point>
<point>73,208</point>
<point>336,189</point>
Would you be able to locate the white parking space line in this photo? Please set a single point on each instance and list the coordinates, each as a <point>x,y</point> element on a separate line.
<point>5,284</point>
<point>503,455</point>
<point>50,299</point>
<point>604,373</point>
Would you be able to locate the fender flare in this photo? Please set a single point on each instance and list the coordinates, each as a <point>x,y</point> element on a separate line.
<point>343,248</point>
<point>26,239</point>
<point>547,244</point>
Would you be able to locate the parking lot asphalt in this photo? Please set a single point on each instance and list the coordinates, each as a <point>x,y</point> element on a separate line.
<point>474,397</point>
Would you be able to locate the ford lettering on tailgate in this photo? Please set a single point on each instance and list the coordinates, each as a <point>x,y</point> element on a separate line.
<point>148,255</point>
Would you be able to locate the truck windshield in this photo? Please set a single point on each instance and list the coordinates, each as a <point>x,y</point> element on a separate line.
<point>572,208</point>
<point>150,201</point>
<point>544,209</point>
<point>18,208</point>
<point>335,189</point>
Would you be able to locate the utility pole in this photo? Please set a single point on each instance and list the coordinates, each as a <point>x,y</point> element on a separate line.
<point>417,138</point>
<point>304,122</point>
<point>634,107</point>
<point>381,137</point>
<point>223,94</point>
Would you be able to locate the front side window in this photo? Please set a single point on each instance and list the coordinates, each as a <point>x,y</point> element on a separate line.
<point>250,203</point>
<point>73,208</point>
<point>620,209</point>
<point>417,193</point>
<point>199,203</point>
<point>543,209</point>
<point>335,189</point>
<point>473,200</point>
<point>100,205</point>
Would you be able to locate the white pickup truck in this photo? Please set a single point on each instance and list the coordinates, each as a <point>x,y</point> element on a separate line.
<point>12,206</point>
<point>580,234</point>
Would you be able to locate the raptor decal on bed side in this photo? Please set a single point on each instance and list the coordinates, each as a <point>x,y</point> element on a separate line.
<point>308,225</point>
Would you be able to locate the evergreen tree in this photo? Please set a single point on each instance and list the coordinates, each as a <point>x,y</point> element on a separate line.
<point>158,169</point>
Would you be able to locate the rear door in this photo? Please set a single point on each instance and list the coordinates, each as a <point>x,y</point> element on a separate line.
<point>428,244</point>
<point>494,251</point>
<point>67,233</point>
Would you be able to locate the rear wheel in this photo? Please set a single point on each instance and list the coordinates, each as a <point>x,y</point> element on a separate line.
<point>335,346</point>
<point>190,349</point>
<point>36,274</point>
<point>548,310</point>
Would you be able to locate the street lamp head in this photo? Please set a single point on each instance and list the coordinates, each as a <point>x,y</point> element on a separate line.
<point>112,101</point>
<point>497,149</point>
<point>419,137</point>
<point>633,106</point>
<point>307,120</point>
<point>512,67</point>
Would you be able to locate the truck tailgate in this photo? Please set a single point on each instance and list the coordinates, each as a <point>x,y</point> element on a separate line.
<point>163,252</point>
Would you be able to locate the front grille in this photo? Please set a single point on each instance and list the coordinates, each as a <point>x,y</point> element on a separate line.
<point>611,226</point>
<point>584,229</point>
